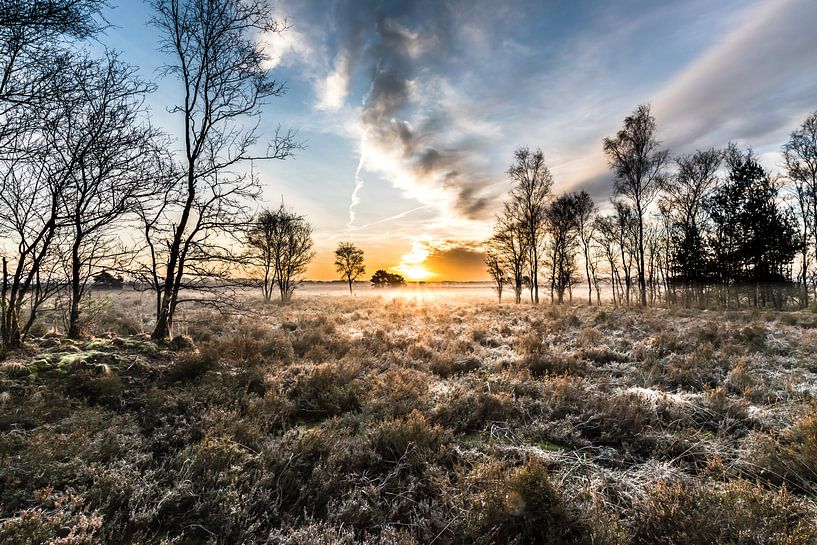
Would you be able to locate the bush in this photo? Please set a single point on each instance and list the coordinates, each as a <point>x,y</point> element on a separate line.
<point>470,410</point>
<point>555,363</point>
<point>413,438</point>
<point>192,365</point>
<point>62,522</point>
<point>790,459</point>
<point>519,506</point>
<point>330,389</point>
<point>447,365</point>
<point>676,512</point>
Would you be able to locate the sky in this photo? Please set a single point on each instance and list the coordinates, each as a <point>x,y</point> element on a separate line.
<point>411,110</point>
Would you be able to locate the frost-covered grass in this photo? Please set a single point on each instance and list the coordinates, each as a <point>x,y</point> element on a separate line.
<point>348,420</point>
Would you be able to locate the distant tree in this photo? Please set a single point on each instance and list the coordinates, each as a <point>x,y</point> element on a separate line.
<point>261,240</point>
<point>280,244</point>
<point>562,216</point>
<point>510,244</point>
<point>381,278</point>
<point>626,223</point>
<point>606,239</point>
<point>800,159</point>
<point>639,164</point>
<point>106,280</point>
<point>585,214</point>
<point>684,199</point>
<point>754,239</point>
<point>221,65</point>
<point>349,263</point>
<point>493,262</point>
<point>530,193</point>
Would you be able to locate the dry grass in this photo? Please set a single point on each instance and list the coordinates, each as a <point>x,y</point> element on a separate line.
<point>338,420</point>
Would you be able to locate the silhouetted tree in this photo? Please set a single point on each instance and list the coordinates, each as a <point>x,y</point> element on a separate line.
<point>585,214</point>
<point>627,229</point>
<point>280,244</point>
<point>606,237</point>
<point>261,237</point>
<point>510,243</point>
<point>382,278</point>
<point>684,200</point>
<point>349,263</point>
<point>639,164</point>
<point>800,158</point>
<point>493,262</point>
<point>106,147</point>
<point>35,92</point>
<point>530,193</point>
<point>562,217</point>
<point>754,238</point>
<point>220,64</point>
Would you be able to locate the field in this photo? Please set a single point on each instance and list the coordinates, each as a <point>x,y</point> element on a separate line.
<point>391,420</point>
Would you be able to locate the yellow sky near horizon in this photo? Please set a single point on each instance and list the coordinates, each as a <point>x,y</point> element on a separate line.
<point>451,262</point>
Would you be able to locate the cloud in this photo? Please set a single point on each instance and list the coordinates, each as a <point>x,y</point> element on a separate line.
<point>753,85</point>
<point>457,260</point>
<point>331,91</point>
<point>406,136</point>
<point>286,47</point>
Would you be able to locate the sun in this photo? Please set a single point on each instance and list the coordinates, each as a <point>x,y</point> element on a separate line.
<point>415,273</point>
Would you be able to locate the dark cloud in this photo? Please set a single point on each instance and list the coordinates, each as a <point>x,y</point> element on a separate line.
<point>399,46</point>
<point>457,260</point>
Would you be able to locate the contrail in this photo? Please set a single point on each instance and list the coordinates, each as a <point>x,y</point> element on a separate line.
<point>355,200</point>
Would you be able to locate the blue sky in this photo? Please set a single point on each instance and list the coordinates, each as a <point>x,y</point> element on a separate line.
<point>411,110</point>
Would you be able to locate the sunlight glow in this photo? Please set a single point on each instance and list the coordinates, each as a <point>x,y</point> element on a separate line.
<point>411,265</point>
<point>414,272</point>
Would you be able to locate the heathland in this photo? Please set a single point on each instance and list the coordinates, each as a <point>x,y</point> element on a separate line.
<point>377,420</point>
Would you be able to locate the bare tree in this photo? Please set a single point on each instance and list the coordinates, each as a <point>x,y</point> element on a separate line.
<point>606,237</point>
<point>349,263</point>
<point>683,205</point>
<point>261,237</point>
<point>530,193</point>
<point>562,217</point>
<point>30,219</point>
<point>220,65</point>
<point>280,242</point>
<point>105,145</point>
<point>34,40</point>
<point>639,165</point>
<point>493,262</point>
<point>510,243</point>
<point>800,159</point>
<point>585,214</point>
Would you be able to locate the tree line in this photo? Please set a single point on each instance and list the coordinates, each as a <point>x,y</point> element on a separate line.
<point>713,227</point>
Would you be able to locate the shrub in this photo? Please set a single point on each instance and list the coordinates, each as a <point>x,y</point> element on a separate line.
<point>448,365</point>
<point>61,521</point>
<point>256,345</point>
<point>520,505</point>
<point>678,512</point>
<point>557,363</point>
<point>397,392</point>
<point>790,458</point>
<point>412,437</point>
<point>192,365</point>
<point>468,410</point>
<point>329,389</point>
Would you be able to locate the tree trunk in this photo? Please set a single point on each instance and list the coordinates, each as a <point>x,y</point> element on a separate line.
<point>642,282</point>
<point>73,315</point>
